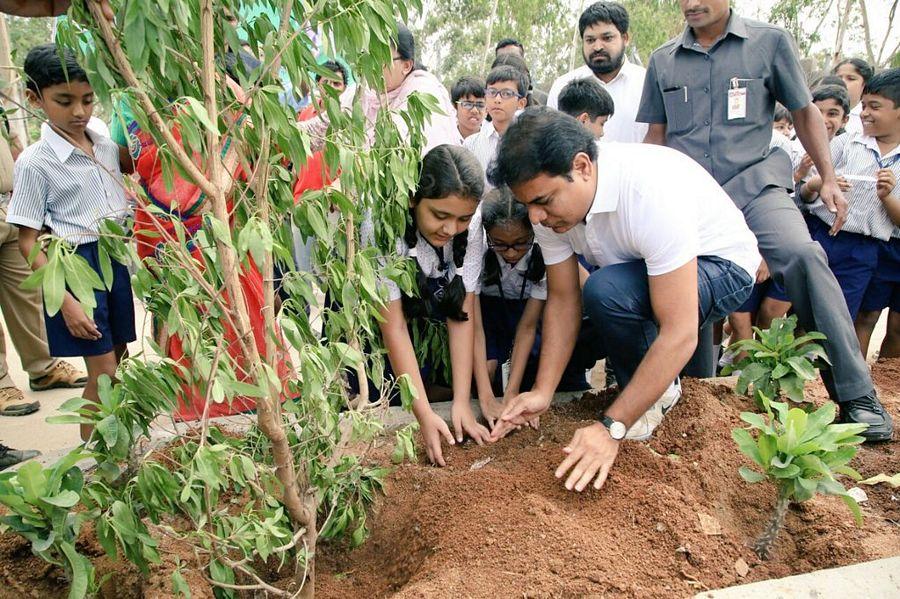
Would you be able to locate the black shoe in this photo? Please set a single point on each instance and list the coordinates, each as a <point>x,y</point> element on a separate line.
<point>868,410</point>
<point>11,457</point>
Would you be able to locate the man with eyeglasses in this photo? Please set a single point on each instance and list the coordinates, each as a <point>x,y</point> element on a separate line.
<point>467,95</point>
<point>505,97</point>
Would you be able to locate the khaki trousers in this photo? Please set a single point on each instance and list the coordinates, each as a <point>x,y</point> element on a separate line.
<point>22,310</point>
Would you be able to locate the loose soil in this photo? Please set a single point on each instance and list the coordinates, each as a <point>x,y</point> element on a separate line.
<point>673,519</point>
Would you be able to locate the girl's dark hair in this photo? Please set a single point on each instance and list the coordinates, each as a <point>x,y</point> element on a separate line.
<point>498,209</point>
<point>446,170</point>
<point>862,67</point>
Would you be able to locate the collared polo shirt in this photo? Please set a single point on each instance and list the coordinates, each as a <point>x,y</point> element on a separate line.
<point>858,158</point>
<point>666,220</point>
<point>686,89</point>
<point>58,185</point>
<point>483,146</point>
<point>514,282</point>
<point>625,89</point>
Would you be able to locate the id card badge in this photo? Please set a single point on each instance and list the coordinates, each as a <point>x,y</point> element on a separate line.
<point>737,103</point>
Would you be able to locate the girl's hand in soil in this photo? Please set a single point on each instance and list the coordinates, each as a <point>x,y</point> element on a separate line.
<point>433,428</point>
<point>520,410</point>
<point>591,451</point>
<point>491,409</point>
<point>464,423</point>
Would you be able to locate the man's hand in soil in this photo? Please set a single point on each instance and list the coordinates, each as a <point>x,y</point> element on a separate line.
<point>591,452</point>
<point>491,409</point>
<point>464,423</point>
<point>522,409</point>
<point>433,428</point>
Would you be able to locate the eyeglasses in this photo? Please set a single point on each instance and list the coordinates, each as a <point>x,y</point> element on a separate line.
<point>471,105</point>
<point>506,94</point>
<point>505,247</point>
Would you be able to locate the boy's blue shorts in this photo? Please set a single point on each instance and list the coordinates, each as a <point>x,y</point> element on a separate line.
<point>114,314</point>
<point>852,257</point>
<point>770,288</point>
<point>884,288</point>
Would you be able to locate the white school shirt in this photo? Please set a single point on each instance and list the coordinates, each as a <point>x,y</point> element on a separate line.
<point>427,257</point>
<point>58,185</point>
<point>854,120</point>
<point>514,281</point>
<point>484,146</point>
<point>666,220</point>
<point>625,88</point>
<point>859,155</point>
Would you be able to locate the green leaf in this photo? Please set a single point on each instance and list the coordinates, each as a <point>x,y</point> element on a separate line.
<point>751,476</point>
<point>80,571</point>
<point>746,444</point>
<point>854,508</point>
<point>54,286</point>
<point>65,499</point>
<point>179,584</point>
<point>802,367</point>
<point>109,430</point>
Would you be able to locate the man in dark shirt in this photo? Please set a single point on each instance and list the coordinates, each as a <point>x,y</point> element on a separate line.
<point>710,93</point>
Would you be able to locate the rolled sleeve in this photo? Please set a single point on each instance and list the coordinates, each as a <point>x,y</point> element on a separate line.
<point>652,108</point>
<point>788,79</point>
<point>28,205</point>
<point>554,247</point>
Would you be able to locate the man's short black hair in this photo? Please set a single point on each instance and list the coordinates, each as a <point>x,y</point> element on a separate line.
<point>604,12</point>
<point>508,73</point>
<point>508,41</point>
<point>541,141</point>
<point>833,92</point>
<point>885,84</point>
<point>585,95</point>
<point>47,65</point>
<point>467,86</point>
<point>335,67</point>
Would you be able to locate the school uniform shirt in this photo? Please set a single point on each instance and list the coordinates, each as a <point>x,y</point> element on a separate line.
<point>435,267</point>
<point>667,220</point>
<point>625,88</point>
<point>514,281</point>
<point>57,185</point>
<point>483,146</point>
<point>857,155</point>
<point>687,89</point>
<point>854,120</point>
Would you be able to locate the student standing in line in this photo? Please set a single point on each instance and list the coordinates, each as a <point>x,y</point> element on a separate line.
<point>467,95</point>
<point>710,93</point>
<point>446,240</point>
<point>71,181</point>
<point>588,103</point>
<point>505,93</point>
<point>855,73</point>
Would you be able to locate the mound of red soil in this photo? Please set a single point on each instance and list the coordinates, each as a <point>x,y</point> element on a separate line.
<point>674,517</point>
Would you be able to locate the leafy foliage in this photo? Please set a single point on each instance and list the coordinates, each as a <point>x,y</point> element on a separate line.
<point>800,453</point>
<point>778,363</point>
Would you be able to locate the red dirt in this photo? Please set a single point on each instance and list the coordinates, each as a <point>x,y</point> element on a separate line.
<point>511,529</point>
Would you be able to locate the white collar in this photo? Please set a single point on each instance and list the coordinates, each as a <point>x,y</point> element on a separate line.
<point>61,146</point>
<point>872,143</point>
<point>606,196</point>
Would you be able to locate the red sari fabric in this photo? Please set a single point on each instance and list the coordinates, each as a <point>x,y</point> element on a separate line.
<point>185,203</point>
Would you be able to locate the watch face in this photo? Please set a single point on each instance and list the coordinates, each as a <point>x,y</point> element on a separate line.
<point>617,430</point>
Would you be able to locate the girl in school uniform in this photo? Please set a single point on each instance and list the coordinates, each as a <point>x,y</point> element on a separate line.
<point>511,302</point>
<point>446,240</point>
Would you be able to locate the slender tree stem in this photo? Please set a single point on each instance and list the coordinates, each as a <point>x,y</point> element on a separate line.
<point>763,545</point>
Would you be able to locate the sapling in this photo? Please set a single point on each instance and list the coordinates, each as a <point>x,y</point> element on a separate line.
<point>777,364</point>
<point>800,453</point>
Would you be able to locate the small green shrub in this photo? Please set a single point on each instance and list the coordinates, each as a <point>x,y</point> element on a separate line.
<point>778,364</point>
<point>800,453</point>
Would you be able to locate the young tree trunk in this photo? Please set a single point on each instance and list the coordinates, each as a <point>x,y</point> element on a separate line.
<point>867,32</point>
<point>887,34</point>
<point>763,545</point>
<point>12,89</point>
<point>490,33</point>
<point>843,19</point>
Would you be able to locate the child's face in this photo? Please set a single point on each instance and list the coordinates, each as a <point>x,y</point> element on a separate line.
<point>880,116</point>
<point>784,127</point>
<point>439,221</point>
<point>502,110</point>
<point>853,80</point>
<point>594,126</point>
<point>469,119</point>
<point>511,241</point>
<point>68,106</point>
<point>560,203</point>
<point>834,115</point>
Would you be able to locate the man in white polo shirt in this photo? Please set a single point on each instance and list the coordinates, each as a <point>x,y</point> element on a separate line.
<point>674,254</point>
<point>603,28</point>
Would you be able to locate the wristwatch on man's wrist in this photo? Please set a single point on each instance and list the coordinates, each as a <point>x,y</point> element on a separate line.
<point>616,429</point>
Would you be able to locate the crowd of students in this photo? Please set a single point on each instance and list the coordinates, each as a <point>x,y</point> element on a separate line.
<point>550,237</point>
